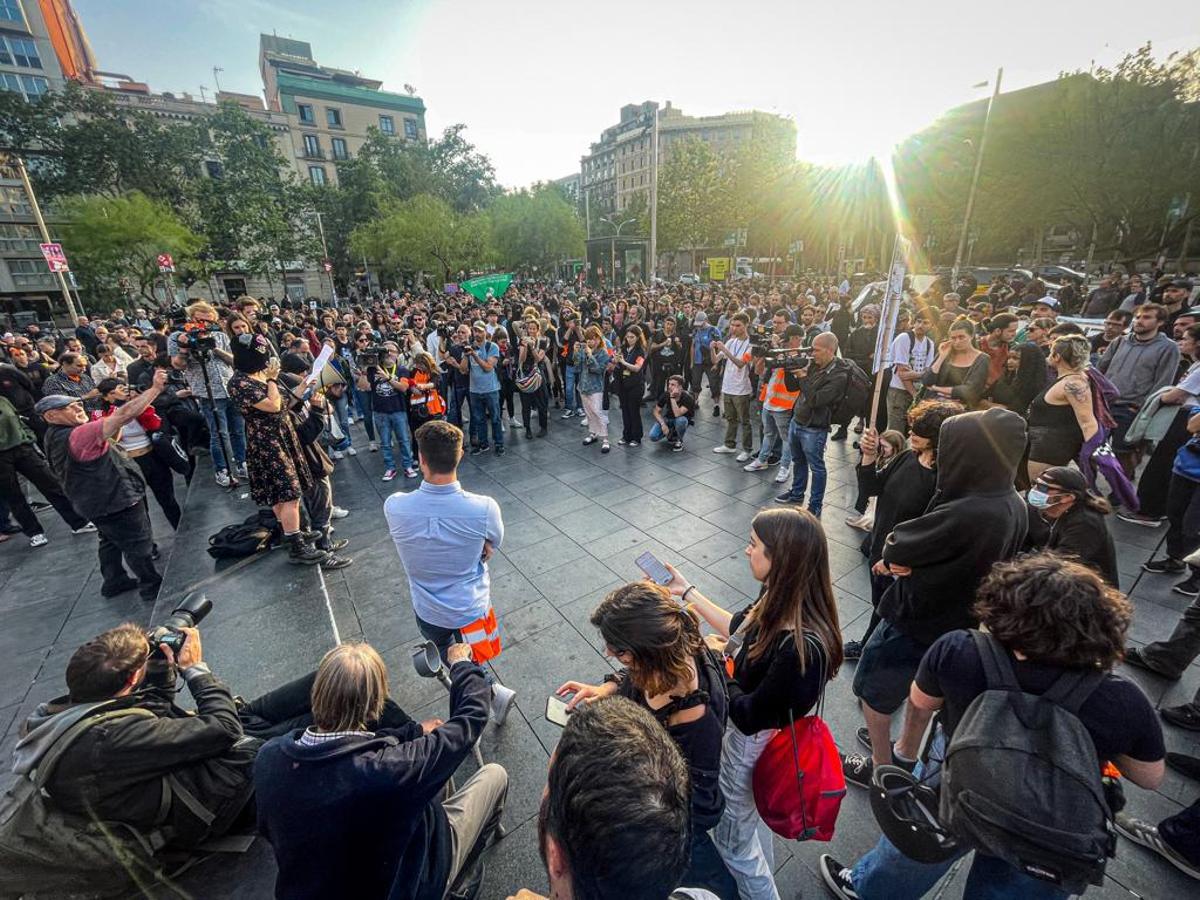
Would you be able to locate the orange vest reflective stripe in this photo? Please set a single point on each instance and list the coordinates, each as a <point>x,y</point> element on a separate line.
<point>432,399</point>
<point>775,395</point>
<point>484,637</point>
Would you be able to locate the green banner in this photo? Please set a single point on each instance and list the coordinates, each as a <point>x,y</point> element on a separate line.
<point>479,287</point>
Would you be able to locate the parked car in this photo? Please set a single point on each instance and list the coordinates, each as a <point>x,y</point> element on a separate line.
<point>689,278</point>
<point>1059,273</point>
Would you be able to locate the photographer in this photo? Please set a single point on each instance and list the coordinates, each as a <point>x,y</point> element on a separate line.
<point>458,382</point>
<point>481,360</point>
<point>207,350</point>
<point>570,335</point>
<point>388,383</point>
<point>777,402</point>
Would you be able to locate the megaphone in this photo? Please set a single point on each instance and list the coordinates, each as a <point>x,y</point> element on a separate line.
<point>329,376</point>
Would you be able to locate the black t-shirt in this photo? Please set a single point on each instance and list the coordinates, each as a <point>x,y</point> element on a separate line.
<point>1117,715</point>
<point>386,397</point>
<point>460,380</point>
<point>670,355</point>
<point>631,355</point>
<point>684,401</point>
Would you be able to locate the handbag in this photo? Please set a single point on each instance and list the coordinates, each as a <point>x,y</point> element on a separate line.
<point>798,780</point>
<point>530,382</point>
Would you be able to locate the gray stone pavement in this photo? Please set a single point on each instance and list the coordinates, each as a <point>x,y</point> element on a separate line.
<point>575,521</point>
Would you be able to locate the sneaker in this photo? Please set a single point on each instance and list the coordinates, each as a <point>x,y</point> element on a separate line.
<point>1138,519</point>
<point>333,561</point>
<point>242,471</point>
<point>499,449</point>
<point>755,465</point>
<point>1134,657</point>
<point>1147,835</point>
<point>635,443</point>
<point>338,512</point>
<point>513,423</point>
<point>837,877</point>
<point>337,454</point>
<point>37,506</point>
<point>579,412</point>
<point>85,528</point>
<point>677,447</point>
<point>852,650</point>
<point>222,478</point>
<point>590,439</point>
<point>503,427</point>
<point>858,769</point>
<point>373,446</point>
<point>1189,588</point>
<point>411,472</point>
<point>784,474</point>
<point>721,448</point>
<point>583,420</point>
<point>1164,566</point>
<point>855,521</point>
<point>863,734</point>
<point>568,414</point>
<point>604,446</point>
<point>622,442</point>
<point>38,540</point>
<point>743,456</point>
<point>350,451</point>
<point>502,701</point>
<point>332,546</point>
<point>1181,716</point>
<point>389,474</point>
<point>788,498</point>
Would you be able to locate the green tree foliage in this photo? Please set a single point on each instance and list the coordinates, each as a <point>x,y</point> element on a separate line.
<point>111,238</point>
<point>423,234</point>
<point>695,191</point>
<point>537,227</point>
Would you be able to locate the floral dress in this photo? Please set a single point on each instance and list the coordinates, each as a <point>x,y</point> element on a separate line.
<point>274,457</point>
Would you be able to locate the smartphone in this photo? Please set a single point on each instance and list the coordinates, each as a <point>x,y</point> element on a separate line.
<point>556,710</point>
<point>654,569</point>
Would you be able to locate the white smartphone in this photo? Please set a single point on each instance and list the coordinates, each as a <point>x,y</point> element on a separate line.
<point>654,569</point>
<point>556,710</point>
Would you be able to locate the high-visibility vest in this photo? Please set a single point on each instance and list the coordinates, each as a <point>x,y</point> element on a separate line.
<point>484,637</point>
<point>774,393</point>
<point>433,398</point>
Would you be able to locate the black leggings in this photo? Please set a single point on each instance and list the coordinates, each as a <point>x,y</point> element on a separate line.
<point>160,478</point>
<point>631,409</point>
<point>539,400</point>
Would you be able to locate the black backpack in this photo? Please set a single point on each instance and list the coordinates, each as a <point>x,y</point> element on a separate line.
<point>858,389</point>
<point>245,539</point>
<point>1021,780</point>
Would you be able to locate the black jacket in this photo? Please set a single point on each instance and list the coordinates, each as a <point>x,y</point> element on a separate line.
<point>821,390</point>
<point>1017,392</point>
<point>1080,533</point>
<point>974,519</point>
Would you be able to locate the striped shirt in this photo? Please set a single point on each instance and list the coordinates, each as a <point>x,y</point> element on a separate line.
<point>312,738</point>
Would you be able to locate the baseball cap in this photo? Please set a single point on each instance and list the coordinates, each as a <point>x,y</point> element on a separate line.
<point>1185,283</point>
<point>1065,479</point>
<point>1047,301</point>
<point>52,402</point>
<point>701,319</point>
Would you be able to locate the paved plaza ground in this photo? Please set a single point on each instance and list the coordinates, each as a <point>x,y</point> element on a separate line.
<point>575,521</point>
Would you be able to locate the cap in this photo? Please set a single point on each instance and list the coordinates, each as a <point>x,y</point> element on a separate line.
<point>1185,283</point>
<point>1066,479</point>
<point>52,402</point>
<point>701,318</point>
<point>1047,301</point>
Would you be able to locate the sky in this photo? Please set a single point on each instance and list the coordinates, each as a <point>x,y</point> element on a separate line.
<point>536,81</point>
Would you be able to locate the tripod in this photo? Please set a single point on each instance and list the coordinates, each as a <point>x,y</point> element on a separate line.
<point>230,465</point>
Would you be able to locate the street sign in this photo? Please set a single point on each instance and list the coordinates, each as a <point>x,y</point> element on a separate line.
<point>718,268</point>
<point>56,260</point>
<point>165,263</point>
<point>327,266</point>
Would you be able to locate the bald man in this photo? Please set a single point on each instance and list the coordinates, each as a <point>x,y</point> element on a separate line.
<point>822,384</point>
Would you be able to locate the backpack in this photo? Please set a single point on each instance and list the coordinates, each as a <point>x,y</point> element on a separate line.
<point>798,780</point>
<point>1021,780</point>
<point>236,541</point>
<point>858,389</point>
<point>44,850</point>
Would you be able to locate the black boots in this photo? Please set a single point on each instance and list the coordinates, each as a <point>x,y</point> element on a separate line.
<point>301,551</point>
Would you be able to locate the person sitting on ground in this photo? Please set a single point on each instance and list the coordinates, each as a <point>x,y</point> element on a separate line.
<point>1067,518</point>
<point>614,820</point>
<point>672,414</point>
<point>1050,616</point>
<point>669,671</point>
<point>356,808</point>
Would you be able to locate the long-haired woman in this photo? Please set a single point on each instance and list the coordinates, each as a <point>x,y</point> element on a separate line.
<point>784,647</point>
<point>630,377</point>
<point>591,359</point>
<point>669,671</point>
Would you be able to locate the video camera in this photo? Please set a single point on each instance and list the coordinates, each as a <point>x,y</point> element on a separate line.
<point>783,357</point>
<point>369,356</point>
<point>188,614</point>
<point>202,337</point>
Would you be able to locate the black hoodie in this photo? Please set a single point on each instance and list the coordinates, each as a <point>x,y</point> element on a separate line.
<point>974,519</point>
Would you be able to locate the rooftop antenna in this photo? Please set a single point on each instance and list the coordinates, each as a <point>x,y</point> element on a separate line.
<point>203,99</point>
<point>216,80</point>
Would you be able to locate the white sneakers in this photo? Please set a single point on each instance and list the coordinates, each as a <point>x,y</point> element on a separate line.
<point>338,512</point>
<point>222,478</point>
<point>723,449</point>
<point>743,456</point>
<point>755,465</point>
<point>784,474</point>
<point>374,446</point>
<point>85,528</point>
<point>38,540</point>
<point>337,454</point>
<point>502,701</point>
<point>350,451</point>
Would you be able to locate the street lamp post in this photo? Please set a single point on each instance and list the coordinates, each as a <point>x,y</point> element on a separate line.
<point>962,237</point>
<point>612,260</point>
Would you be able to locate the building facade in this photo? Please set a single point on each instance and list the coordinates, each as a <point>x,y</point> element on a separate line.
<point>330,111</point>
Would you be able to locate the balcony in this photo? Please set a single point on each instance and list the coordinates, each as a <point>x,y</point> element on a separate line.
<point>309,153</point>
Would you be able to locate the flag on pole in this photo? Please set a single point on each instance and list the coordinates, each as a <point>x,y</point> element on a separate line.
<point>893,296</point>
<point>479,287</point>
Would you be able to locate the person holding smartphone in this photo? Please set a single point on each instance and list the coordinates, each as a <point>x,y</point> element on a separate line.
<point>784,647</point>
<point>669,672</point>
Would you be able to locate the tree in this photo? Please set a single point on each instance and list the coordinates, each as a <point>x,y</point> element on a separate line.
<point>538,227</point>
<point>423,234</point>
<point>111,238</point>
<point>694,198</point>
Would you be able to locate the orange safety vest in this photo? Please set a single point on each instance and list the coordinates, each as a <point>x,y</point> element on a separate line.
<point>774,393</point>
<point>484,637</point>
<point>433,399</point>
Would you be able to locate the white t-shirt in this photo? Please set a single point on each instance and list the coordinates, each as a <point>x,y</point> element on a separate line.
<point>917,356</point>
<point>736,380</point>
<point>1190,382</point>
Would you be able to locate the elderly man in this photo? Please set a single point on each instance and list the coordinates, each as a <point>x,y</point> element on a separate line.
<point>105,486</point>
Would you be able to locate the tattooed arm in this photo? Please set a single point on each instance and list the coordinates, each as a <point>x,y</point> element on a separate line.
<point>1079,396</point>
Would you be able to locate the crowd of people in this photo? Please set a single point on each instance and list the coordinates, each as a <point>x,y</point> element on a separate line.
<point>1004,438</point>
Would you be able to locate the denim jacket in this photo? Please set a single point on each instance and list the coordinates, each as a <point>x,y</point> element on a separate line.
<point>591,369</point>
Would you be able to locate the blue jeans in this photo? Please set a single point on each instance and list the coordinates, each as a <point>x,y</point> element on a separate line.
<point>679,426</point>
<point>776,423</point>
<point>808,452</point>
<point>389,424</point>
<point>483,407</point>
<point>571,382</point>
<point>341,409</point>
<point>887,874</point>
<point>232,424</point>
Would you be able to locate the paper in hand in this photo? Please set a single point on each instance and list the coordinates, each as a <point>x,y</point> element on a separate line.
<point>319,363</point>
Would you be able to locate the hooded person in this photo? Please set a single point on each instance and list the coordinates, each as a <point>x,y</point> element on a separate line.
<point>975,519</point>
<point>1066,517</point>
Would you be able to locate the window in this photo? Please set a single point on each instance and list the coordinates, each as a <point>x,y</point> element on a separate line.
<point>29,272</point>
<point>25,53</point>
<point>312,146</point>
<point>333,116</point>
<point>316,174</point>
<point>24,238</point>
<point>410,129</point>
<point>339,149</point>
<point>387,124</point>
<point>34,85</point>
<point>305,111</point>
<point>10,11</point>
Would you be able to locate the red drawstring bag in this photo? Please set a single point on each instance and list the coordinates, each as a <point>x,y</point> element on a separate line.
<point>798,780</point>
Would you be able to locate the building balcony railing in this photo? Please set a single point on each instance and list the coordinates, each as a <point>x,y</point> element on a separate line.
<point>313,154</point>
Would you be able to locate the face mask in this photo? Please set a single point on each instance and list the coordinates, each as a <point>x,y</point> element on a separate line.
<point>1039,499</point>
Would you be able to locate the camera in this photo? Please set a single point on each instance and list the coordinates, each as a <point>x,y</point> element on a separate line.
<point>785,358</point>
<point>202,337</point>
<point>188,614</point>
<point>369,356</point>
